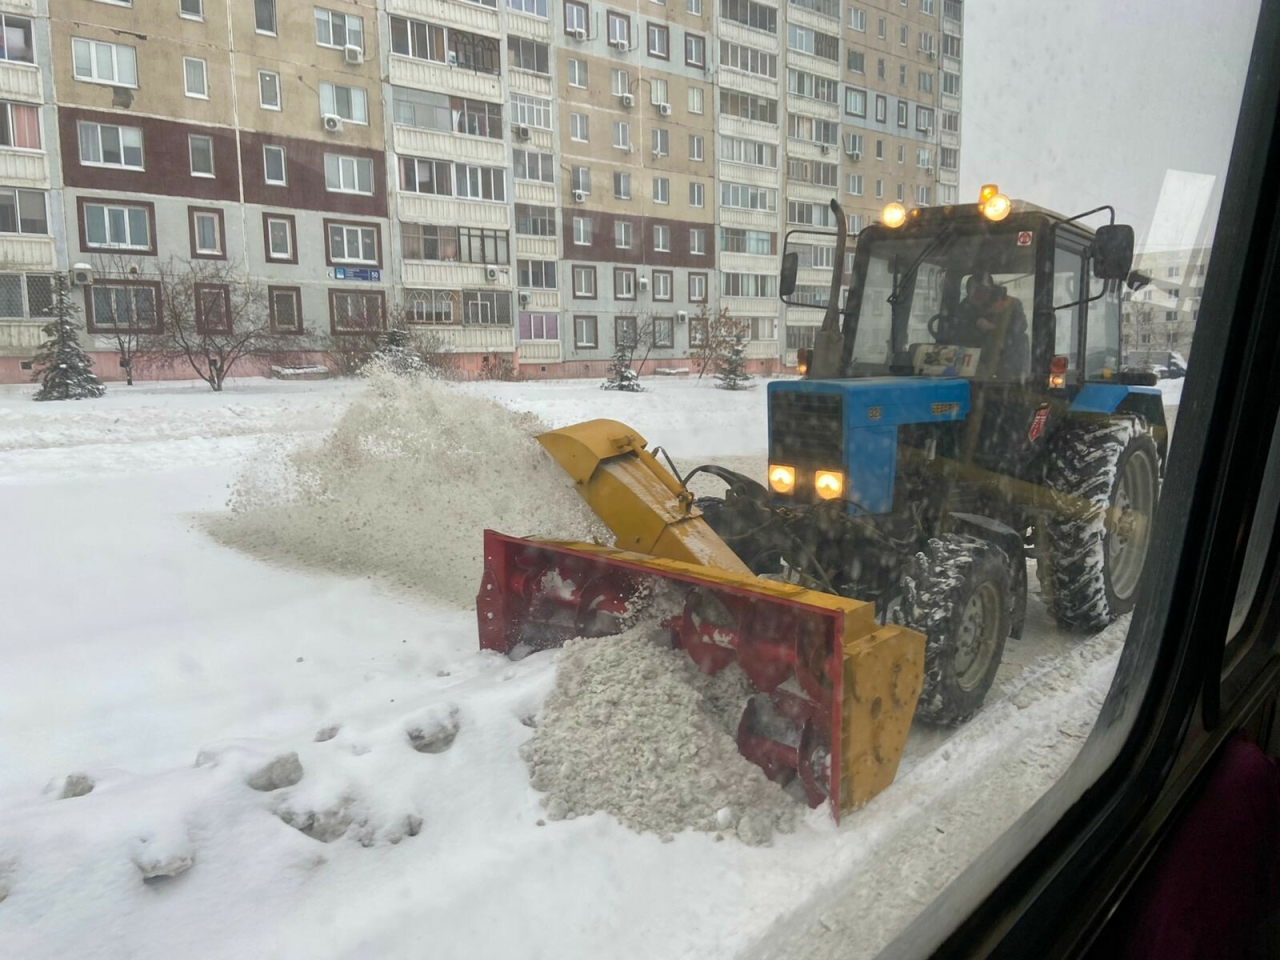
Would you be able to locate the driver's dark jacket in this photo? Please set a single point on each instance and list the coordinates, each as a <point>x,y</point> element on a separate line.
<point>1008,361</point>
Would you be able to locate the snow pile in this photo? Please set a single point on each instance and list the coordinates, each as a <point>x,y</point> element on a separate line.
<point>634,729</point>
<point>403,488</point>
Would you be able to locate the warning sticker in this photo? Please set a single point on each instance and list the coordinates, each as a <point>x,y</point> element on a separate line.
<point>1037,423</point>
<point>1024,238</point>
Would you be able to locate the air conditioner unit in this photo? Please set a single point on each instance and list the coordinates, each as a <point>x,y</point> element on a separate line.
<point>631,148</point>
<point>525,298</point>
<point>522,132</point>
<point>664,109</point>
<point>81,275</point>
<point>826,148</point>
<point>579,34</point>
<point>352,53</point>
<point>682,316</point>
<point>453,59</point>
<point>579,196</point>
<point>332,123</point>
<point>851,143</point>
<point>627,99</point>
<point>933,55</point>
<point>491,273</point>
<point>620,42</point>
<point>644,282</point>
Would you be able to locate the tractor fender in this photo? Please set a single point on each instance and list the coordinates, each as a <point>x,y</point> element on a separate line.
<point>1112,398</point>
<point>1012,543</point>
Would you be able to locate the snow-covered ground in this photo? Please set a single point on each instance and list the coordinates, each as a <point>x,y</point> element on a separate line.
<point>170,670</point>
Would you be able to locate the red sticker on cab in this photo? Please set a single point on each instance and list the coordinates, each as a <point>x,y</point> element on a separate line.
<point>1024,238</point>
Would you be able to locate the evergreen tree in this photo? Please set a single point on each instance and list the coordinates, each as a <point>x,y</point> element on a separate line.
<point>621,376</point>
<point>396,354</point>
<point>731,365</point>
<point>62,367</point>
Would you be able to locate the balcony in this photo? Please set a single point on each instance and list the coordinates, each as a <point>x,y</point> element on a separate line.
<point>434,143</point>
<point>749,219</point>
<point>762,349</point>
<point>748,263</point>
<point>432,273</point>
<point>439,78</point>
<point>524,25</point>
<point>746,173</point>
<point>528,191</point>
<point>538,248</point>
<point>19,335</point>
<point>20,81</point>
<point>749,129</point>
<point>804,17</point>
<point>749,83</point>
<point>24,168</point>
<point>450,13</point>
<point>540,300</point>
<point>540,351</point>
<point>533,84</point>
<point>948,139</point>
<point>735,32</point>
<point>424,208</point>
<point>808,150</point>
<point>811,64</point>
<point>36,252</point>
<point>475,337</point>
<point>751,307</point>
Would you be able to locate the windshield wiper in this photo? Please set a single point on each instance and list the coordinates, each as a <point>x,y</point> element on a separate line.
<point>943,234</point>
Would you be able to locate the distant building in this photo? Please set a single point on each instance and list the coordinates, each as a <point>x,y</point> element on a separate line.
<point>1161,318</point>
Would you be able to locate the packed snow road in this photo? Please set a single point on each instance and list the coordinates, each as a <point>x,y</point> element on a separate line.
<point>310,759</point>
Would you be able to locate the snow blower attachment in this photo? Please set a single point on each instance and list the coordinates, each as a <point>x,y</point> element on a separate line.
<point>835,690</point>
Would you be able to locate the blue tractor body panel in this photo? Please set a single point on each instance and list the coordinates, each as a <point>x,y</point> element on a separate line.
<point>863,434</point>
<point>1107,397</point>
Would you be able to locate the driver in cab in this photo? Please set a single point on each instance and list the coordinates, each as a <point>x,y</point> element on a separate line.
<point>990,319</point>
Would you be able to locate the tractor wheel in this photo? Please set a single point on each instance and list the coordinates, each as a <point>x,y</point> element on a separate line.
<point>957,591</point>
<point>1105,479</point>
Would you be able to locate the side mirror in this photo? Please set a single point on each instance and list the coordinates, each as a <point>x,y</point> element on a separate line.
<point>1137,281</point>
<point>1112,252</point>
<point>790,266</point>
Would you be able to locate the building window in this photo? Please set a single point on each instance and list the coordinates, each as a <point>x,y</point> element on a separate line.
<point>882,109</point>
<point>279,235</point>
<point>948,158</point>
<point>951,84</point>
<point>926,82</point>
<point>206,234</point>
<point>119,307</point>
<point>96,62</point>
<point>471,182</point>
<point>534,8</point>
<point>879,189</point>
<point>264,16</point>
<point>695,50</point>
<point>353,243</point>
<point>17,44</point>
<point>661,190</point>
<point>539,326</point>
<point>213,308</point>
<point>577,73</point>
<point>697,288</point>
<point>693,7</point>
<point>696,100</point>
<point>924,119</point>
<point>426,176</point>
<point>664,333</point>
<point>857,61</point>
<point>855,102</point>
<point>698,331</point>
<point>922,195</point>
<point>268,90</point>
<point>624,331</point>
<point>200,150</point>
<point>536,274</point>
<point>23,211</point>
<point>902,153</point>
<point>903,113</point>
<point>414,38</point>
<point>585,332</point>
<point>879,149</point>
<point>19,126</point>
<point>434,306</point>
<point>274,169</point>
<point>344,174</point>
<point>659,41</point>
<point>194,9</point>
<point>624,283</point>
<point>421,241</point>
<point>622,234</point>
<point>735,56</point>
<point>658,91</point>
<point>696,146</point>
<point>116,226</point>
<point>578,127</point>
<point>619,30</point>
<point>661,142</point>
<point>813,43</point>
<point>530,111</point>
<point>529,165</point>
<point>661,238</point>
<point>530,55</point>
<point>582,232</point>
<point>621,186</point>
<point>697,194</point>
<point>662,284</point>
<point>857,20</point>
<point>349,103</point>
<point>880,68</point>
<point>951,121</point>
<point>748,107</point>
<point>951,46</point>
<point>584,283</point>
<point>580,180</point>
<point>39,296</point>
<point>853,184</point>
<point>356,311</point>
<point>758,16</point>
<point>195,78</point>
<point>338,29</point>
<point>285,304</point>
<point>619,82</point>
<point>106,145</point>
<point>575,17</point>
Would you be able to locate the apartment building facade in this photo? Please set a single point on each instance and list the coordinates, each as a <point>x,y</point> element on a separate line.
<point>530,182</point>
<point>1161,318</point>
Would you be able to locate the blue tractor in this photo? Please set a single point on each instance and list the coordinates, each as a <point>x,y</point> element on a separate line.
<point>961,412</point>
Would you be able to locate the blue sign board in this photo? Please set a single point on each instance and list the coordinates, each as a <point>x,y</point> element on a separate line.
<point>356,273</point>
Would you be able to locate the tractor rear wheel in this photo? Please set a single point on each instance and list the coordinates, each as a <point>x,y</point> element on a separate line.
<point>1104,476</point>
<point>957,591</point>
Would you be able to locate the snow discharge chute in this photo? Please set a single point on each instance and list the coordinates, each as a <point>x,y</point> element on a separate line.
<point>835,691</point>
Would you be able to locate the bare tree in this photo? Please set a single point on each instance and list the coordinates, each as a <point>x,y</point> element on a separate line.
<point>212,315</point>
<point>116,314</point>
<point>711,337</point>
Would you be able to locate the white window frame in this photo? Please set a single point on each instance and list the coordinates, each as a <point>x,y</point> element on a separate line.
<point>80,127</point>
<point>623,234</point>
<point>578,128</point>
<point>345,164</point>
<point>622,135</point>
<point>662,190</point>
<point>279,104</point>
<point>624,283</point>
<point>697,194</point>
<point>360,230</point>
<point>191,156</point>
<point>274,255</point>
<point>578,69</point>
<point>697,147</point>
<point>284,165</point>
<point>698,241</point>
<point>196,217</point>
<point>661,142</point>
<point>353,99</point>
<point>693,7</point>
<point>275,18</point>
<point>697,100</point>
<point>187,14</point>
<point>93,77</point>
<point>106,220</point>
<point>616,194</point>
<point>582,231</point>
<point>204,78</point>
<point>697,287</point>
<point>347,19</point>
<point>581,292</point>
<point>661,238</point>
<point>857,20</point>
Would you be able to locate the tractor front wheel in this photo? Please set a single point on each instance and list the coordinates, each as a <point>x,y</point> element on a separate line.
<point>957,591</point>
<point>1105,478</point>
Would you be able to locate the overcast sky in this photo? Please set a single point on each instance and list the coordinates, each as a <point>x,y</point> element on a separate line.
<point>1075,103</point>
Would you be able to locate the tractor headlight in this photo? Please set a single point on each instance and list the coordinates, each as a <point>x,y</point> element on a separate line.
<point>893,215</point>
<point>782,479</point>
<point>829,484</point>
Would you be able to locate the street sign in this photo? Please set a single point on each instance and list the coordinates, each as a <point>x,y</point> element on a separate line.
<point>356,273</point>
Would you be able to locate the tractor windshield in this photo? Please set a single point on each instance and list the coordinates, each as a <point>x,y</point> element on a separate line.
<point>937,280</point>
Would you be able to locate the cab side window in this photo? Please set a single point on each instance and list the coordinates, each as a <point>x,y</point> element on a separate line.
<point>1067,262</point>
